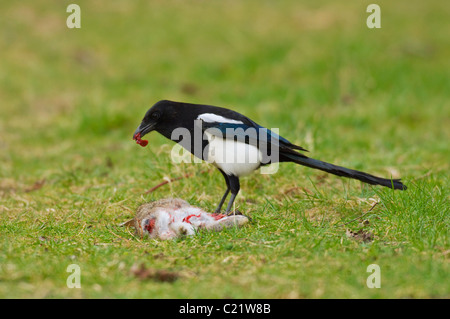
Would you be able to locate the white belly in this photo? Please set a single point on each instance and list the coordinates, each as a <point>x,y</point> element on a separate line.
<point>232,157</point>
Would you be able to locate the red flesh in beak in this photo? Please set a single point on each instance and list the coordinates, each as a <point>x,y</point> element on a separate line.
<point>139,141</point>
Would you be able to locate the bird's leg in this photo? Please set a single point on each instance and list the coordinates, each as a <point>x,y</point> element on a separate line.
<point>222,201</point>
<point>230,204</point>
<point>234,188</point>
<point>224,197</point>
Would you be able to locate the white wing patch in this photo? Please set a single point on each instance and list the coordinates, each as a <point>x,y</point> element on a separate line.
<point>214,118</point>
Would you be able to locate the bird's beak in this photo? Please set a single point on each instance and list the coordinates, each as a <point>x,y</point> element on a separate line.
<point>143,129</point>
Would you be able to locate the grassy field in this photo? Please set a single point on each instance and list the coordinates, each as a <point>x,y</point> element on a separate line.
<point>376,100</point>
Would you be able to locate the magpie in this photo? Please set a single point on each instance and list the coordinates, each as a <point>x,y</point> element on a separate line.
<point>233,143</point>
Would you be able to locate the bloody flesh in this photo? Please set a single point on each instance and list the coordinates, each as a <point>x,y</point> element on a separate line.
<point>218,216</point>
<point>187,218</point>
<point>149,227</point>
<point>140,141</point>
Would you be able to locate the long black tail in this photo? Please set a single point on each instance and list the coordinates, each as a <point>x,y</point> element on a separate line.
<point>345,172</point>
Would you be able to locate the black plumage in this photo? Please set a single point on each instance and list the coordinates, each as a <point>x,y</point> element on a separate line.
<point>215,124</point>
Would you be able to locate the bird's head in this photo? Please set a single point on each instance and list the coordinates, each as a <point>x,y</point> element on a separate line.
<point>165,117</point>
<point>151,121</point>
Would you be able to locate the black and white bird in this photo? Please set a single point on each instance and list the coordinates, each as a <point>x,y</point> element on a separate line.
<point>233,143</point>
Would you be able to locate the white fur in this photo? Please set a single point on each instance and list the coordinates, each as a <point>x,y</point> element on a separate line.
<point>174,222</point>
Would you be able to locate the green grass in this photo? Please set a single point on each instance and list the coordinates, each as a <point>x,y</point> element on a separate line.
<point>374,100</point>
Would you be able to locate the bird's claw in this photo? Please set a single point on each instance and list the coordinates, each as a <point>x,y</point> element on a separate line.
<point>235,212</point>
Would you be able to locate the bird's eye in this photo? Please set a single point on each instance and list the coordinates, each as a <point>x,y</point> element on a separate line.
<point>155,116</point>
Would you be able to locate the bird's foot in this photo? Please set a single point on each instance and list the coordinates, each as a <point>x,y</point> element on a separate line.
<point>235,212</point>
